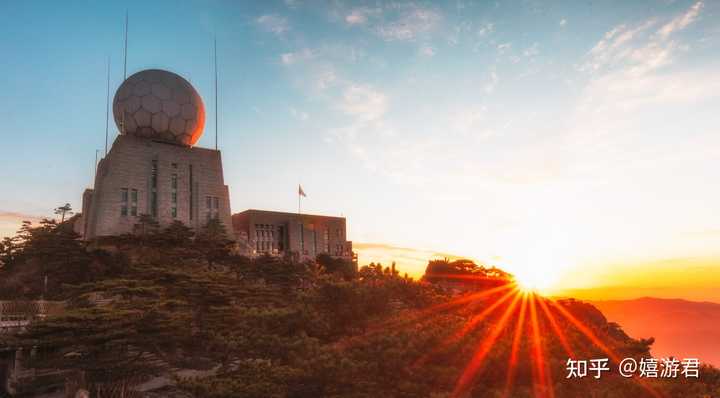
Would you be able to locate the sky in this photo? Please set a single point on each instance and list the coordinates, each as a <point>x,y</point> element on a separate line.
<point>574,144</point>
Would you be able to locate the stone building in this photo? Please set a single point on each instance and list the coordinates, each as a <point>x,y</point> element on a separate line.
<point>302,235</point>
<point>152,167</point>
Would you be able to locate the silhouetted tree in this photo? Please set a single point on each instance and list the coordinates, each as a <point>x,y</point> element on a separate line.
<point>336,265</point>
<point>63,210</point>
<point>177,234</point>
<point>213,243</point>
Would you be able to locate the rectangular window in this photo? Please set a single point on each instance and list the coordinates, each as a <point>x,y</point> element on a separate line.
<point>153,188</point>
<point>174,181</point>
<point>173,212</point>
<point>153,174</point>
<point>133,202</point>
<point>208,202</point>
<point>124,202</point>
<point>174,197</point>
<point>216,202</point>
<point>281,238</point>
<point>326,238</point>
<point>192,207</point>
<point>153,204</point>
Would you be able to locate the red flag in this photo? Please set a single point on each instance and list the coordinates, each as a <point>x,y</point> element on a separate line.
<point>301,192</point>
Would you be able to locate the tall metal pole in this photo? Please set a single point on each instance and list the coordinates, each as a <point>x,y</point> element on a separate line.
<point>125,52</point>
<point>216,93</point>
<point>97,151</point>
<point>107,105</point>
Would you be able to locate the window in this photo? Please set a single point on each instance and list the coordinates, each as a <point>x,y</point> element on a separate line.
<point>281,238</point>
<point>153,204</point>
<point>212,203</point>
<point>173,185</point>
<point>134,202</point>
<point>326,239</point>
<point>174,165</point>
<point>153,189</point>
<point>124,202</point>
<point>192,204</point>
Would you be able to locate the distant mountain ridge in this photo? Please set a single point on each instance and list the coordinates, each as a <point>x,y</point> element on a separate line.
<point>680,327</point>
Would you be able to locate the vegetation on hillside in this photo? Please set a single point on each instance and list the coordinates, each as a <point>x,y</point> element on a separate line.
<point>175,304</point>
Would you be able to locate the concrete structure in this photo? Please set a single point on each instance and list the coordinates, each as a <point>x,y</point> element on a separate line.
<point>303,236</point>
<point>15,316</point>
<point>149,170</point>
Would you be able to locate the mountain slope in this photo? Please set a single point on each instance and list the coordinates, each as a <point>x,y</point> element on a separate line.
<point>680,327</point>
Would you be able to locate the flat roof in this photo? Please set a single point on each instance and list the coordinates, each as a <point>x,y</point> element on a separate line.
<point>286,213</point>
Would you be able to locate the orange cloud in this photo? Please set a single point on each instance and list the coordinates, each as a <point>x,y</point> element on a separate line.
<point>10,222</point>
<point>412,261</point>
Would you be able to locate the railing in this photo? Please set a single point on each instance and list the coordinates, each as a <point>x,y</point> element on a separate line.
<point>18,314</point>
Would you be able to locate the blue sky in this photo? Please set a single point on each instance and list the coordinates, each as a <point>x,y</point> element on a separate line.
<point>563,135</point>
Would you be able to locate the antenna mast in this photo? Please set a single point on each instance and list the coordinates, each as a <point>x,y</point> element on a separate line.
<point>216,93</point>
<point>125,53</point>
<point>107,105</point>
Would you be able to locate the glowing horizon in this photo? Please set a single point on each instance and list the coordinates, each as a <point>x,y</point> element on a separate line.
<point>569,144</point>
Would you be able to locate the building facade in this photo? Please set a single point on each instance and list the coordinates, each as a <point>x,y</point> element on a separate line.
<point>304,236</point>
<point>153,168</point>
<point>166,181</point>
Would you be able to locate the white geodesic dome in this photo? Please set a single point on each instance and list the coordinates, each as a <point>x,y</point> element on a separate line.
<point>161,106</point>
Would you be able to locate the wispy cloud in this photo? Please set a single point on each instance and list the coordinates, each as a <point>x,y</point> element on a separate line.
<point>427,51</point>
<point>10,221</point>
<point>504,47</point>
<point>532,51</point>
<point>403,21</point>
<point>625,66</point>
<point>273,23</point>
<point>300,115</point>
<point>360,15</point>
<point>290,58</point>
<point>563,22</point>
<point>486,29</point>
<point>492,83</point>
<point>410,260</point>
<point>681,21</point>
<point>412,22</point>
<point>364,102</point>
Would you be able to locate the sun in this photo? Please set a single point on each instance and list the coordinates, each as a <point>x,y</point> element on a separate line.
<point>535,280</point>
